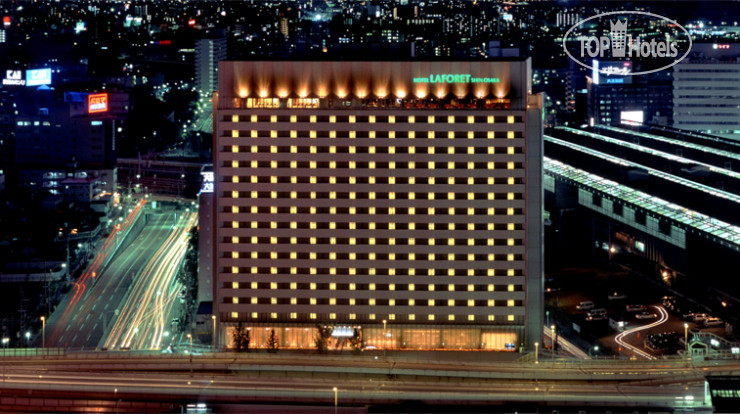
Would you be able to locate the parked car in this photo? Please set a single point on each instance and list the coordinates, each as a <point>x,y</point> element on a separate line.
<point>712,322</point>
<point>698,317</point>
<point>597,317</point>
<point>617,296</point>
<point>597,312</point>
<point>646,315</point>
<point>636,308</point>
<point>585,305</point>
<point>688,315</point>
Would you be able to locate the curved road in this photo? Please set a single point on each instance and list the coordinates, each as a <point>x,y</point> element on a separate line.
<point>621,338</point>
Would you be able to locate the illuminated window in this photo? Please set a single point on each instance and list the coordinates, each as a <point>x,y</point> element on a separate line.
<point>490,119</point>
<point>391,119</point>
<point>510,318</point>
<point>471,119</point>
<point>235,134</point>
<point>234,300</point>
<point>430,119</point>
<point>510,119</point>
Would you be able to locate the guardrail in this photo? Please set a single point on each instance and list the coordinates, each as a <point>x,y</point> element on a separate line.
<point>203,356</point>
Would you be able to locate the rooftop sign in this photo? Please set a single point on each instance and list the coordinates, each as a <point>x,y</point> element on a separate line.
<point>36,77</point>
<point>14,77</point>
<point>454,78</point>
<point>97,103</point>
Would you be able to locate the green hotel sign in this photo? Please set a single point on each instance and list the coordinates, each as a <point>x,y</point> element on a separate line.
<point>454,78</point>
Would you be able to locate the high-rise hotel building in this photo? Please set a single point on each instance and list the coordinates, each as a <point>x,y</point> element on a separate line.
<point>398,200</point>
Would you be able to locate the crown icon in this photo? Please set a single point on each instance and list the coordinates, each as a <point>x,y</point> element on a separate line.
<point>619,26</point>
<point>619,37</point>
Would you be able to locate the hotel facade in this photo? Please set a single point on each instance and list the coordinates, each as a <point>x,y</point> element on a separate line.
<point>401,201</point>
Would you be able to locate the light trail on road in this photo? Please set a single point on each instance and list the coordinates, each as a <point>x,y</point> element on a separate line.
<point>620,338</point>
<point>566,345</point>
<point>144,317</point>
<point>364,379</point>
<point>91,273</point>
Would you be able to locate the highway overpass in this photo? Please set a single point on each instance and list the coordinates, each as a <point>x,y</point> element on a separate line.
<point>365,382</point>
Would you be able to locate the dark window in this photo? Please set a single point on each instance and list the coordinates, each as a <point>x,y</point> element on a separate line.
<point>596,200</point>
<point>617,208</point>
<point>640,217</point>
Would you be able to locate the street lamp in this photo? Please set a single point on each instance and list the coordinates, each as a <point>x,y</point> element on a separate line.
<point>213,317</point>
<point>43,332</point>
<point>28,338</point>
<point>536,352</point>
<point>595,349</point>
<point>554,340</point>
<point>385,344</point>
<point>190,337</point>
<point>686,337</point>
<point>335,399</point>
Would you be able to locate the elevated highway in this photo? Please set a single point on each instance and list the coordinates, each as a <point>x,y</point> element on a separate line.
<point>362,380</point>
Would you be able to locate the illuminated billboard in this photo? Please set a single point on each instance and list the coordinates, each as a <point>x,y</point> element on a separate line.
<point>97,102</point>
<point>632,117</point>
<point>611,73</point>
<point>35,77</point>
<point>14,78</point>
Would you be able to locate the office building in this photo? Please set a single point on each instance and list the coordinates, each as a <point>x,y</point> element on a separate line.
<point>208,52</point>
<point>400,200</point>
<point>614,99</point>
<point>706,92</point>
